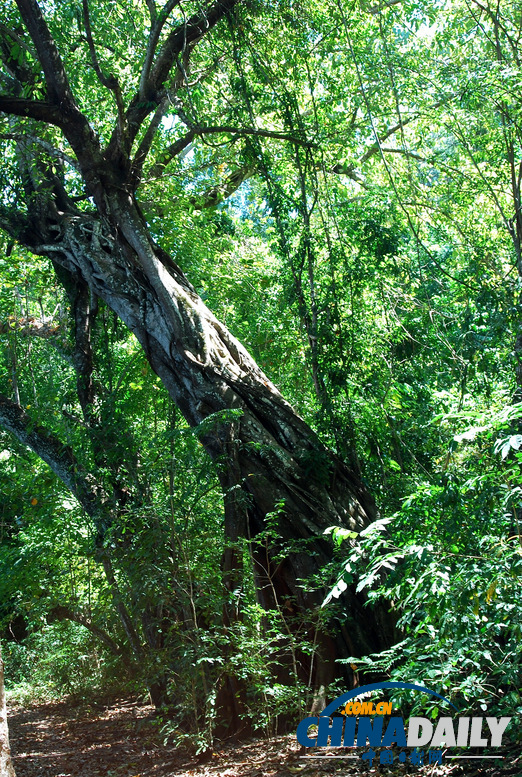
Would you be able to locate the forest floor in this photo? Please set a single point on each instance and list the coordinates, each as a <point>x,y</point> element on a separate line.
<point>121,739</point>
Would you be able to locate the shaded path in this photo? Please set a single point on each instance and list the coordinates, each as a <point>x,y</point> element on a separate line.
<point>58,740</point>
<point>121,739</point>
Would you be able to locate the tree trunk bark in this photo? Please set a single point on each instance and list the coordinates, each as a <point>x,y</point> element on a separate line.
<point>267,450</point>
<point>264,448</point>
<point>275,472</point>
<point>285,477</point>
<point>6,764</point>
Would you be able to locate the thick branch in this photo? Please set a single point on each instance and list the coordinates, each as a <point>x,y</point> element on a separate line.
<point>176,43</point>
<point>190,32</point>
<point>156,27</point>
<point>62,612</point>
<point>74,125</point>
<point>49,448</point>
<point>55,76</point>
<point>84,307</point>
<point>60,108</point>
<point>34,109</point>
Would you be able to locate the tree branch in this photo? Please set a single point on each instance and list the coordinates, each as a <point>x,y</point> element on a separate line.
<point>17,39</point>
<point>60,108</point>
<point>156,27</point>
<point>375,147</point>
<point>151,84</point>
<point>23,74</point>
<point>239,131</point>
<point>63,463</point>
<point>190,32</point>
<point>212,197</point>
<point>171,152</point>
<point>58,456</point>
<point>40,110</point>
<point>347,169</point>
<point>151,5</point>
<point>110,81</point>
<point>376,9</point>
<point>52,150</point>
<point>404,152</point>
<point>54,72</point>
<point>61,612</point>
<point>176,148</point>
<point>146,143</point>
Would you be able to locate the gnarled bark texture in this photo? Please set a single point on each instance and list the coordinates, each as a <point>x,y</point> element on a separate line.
<point>266,449</point>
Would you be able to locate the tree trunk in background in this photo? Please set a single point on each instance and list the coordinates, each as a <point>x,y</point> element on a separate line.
<point>6,765</point>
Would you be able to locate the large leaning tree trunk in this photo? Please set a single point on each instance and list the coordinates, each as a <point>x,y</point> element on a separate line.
<point>268,454</point>
<point>6,764</point>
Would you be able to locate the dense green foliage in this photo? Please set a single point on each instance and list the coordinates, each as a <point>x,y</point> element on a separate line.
<point>370,261</point>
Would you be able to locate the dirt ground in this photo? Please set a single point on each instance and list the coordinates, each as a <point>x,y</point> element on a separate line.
<point>121,739</point>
